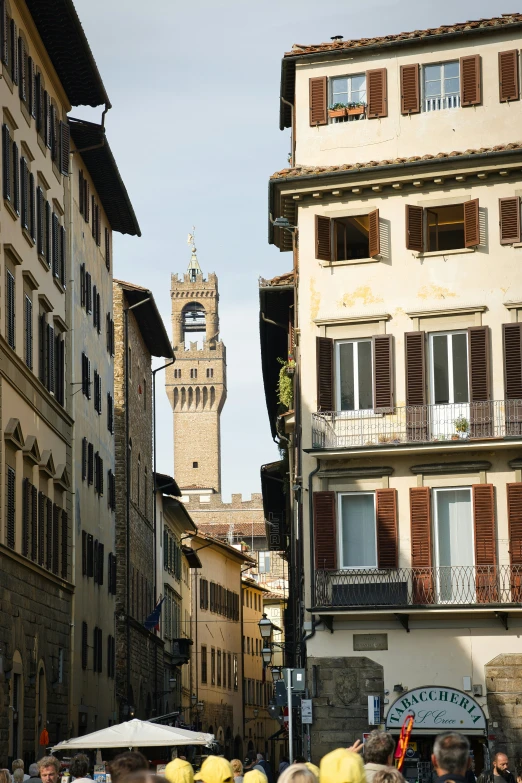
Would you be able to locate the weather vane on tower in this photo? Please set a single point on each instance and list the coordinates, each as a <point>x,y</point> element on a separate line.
<point>193,268</point>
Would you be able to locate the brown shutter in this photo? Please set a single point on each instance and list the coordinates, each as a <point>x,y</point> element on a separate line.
<point>65,145</point>
<point>512,340</point>
<point>387,533</point>
<point>34,523</point>
<point>471,223</point>
<point>470,81</point>
<point>374,237</point>
<point>481,418</point>
<point>26,501</point>
<point>421,562</point>
<point>325,530</point>
<point>323,238</point>
<point>485,548</point>
<point>410,92</point>
<point>508,82</point>
<point>514,506</point>
<point>414,228</point>
<point>509,211</point>
<point>416,410</point>
<point>325,374</point>
<point>318,96</point>
<point>377,93</point>
<point>383,373</point>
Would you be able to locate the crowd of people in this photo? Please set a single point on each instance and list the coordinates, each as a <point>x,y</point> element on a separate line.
<point>450,759</point>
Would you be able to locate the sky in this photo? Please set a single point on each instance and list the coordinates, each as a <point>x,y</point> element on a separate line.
<point>195,132</point>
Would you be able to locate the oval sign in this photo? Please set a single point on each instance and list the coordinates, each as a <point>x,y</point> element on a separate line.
<point>437,707</point>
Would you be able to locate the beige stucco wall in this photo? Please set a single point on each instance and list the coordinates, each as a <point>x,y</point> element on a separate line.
<point>401,136</point>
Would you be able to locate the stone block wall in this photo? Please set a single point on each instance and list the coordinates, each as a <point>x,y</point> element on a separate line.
<point>340,706</point>
<point>504,699</point>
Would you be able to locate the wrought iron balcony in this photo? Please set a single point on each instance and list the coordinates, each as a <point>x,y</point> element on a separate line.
<point>407,588</point>
<point>458,422</point>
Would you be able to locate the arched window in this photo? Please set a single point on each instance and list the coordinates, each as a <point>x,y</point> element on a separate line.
<point>193,322</point>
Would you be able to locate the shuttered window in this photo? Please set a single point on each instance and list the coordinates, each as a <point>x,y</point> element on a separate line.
<point>32,208</point>
<point>508,76</point>
<point>40,230</point>
<point>387,531</point>
<point>6,162</point>
<point>414,228</point>
<point>416,415</point>
<point>421,553</point>
<point>48,237</point>
<point>90,463</point>
<point>26,504</point>
<point>107,249</point>
<point>34,523</point>
<point>55,244</point>
<point>28,332</point>
<point>509,211</point>
<point>15,169</point>
<point>49,535</point>
<point>65,544</point>
<point>318,89</point>
<point>323,242</point>
<point>325,367</point>
<point>10,507</point>
<point>24,188</point>
<point>63,256</point>
<point>512,341</point>
<point>471,223</point>
<point>10,314</point>
<point>376,87</point>
<point>41,528</point>
<point>383,391</point>
<point>56,537</point>
<point>470,80</point>
<point>410,89</point>
<point>65,146</point>
<point>485,544</point>
<point>4,32</point>
<point>325,530</point>
<point>374,239</point>
<point>84,645</point>
<point>514,505</point>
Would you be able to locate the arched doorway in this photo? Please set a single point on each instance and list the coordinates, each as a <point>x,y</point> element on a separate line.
<point>228,743</point>
<point>16,703</point>
<point>41,709</point>
<point>238,747</point>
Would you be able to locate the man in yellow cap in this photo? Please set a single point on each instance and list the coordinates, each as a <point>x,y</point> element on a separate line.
<point>179,771</point>
<point>215,769</point>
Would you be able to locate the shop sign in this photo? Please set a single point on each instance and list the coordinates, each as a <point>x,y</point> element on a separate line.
<point>437,707</point>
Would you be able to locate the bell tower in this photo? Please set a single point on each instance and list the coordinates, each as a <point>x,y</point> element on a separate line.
<point>196,382</point>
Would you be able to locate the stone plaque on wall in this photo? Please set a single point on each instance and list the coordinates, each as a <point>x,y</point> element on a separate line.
<point>363,642</point>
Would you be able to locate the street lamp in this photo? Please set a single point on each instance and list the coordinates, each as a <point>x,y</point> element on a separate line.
<point>266,652</point>
<point>276,673</point>
<point>194,699</point>
<point>265,627</point>
<point>256,713</point>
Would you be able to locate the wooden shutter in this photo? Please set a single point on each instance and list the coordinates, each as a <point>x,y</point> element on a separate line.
<point>508,80</point>
<point>377,93</point>
<point>383,401</point>
<point>374,237</point>
<point>325,533</point>
<point>5,33</point>
<point>84,645</point>
<point>16,179</point>
<point>416,409</point>
<point>31,103</point>
<point>32,208</point>
<point>514,507</point>
<point>56,537</point>
<point>41,528</point>
<point>65,146</point>
<point>485,545</point>
<point>387,532</point>
<point>325,374</point>
<point>22,85</point>
<point>323,238</point>
<point>34,523</point>
<point>410,90</point>
<point>481,414</point>
<point>512,341</point>
<point>509,211</point>
<point>470,81</point>
<point>14,52</point>
<point>84,553</point>
<point>49,535</point>
<point>318,97</point>
<point>11,508</point>
<point>414,228</point>
<point>26,499</point>
<point>65,540</point>
<point>24,187</point>
<point>471,223</point>
<point>6,162</point>
<point>421,562</point>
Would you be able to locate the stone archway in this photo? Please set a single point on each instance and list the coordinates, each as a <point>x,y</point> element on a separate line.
<point>504,706</point>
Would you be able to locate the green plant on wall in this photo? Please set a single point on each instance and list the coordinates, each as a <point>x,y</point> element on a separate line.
<point>285,385</point>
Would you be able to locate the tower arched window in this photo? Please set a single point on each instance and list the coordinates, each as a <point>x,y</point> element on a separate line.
<point>194,373</point>
<point>210,372</point>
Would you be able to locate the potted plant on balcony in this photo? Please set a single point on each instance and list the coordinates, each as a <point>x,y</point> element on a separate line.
<point>285,385</point>
<point>461,426</point>
<point>355,108</point>
<point>337,110</point>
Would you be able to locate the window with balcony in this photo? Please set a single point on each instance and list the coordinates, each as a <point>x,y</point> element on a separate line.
<point>348,98</point>
<point>453,533</point>
<point>357,530</point>
<point>449,384</point>
<point>441,86</point>
<point>354,375</point>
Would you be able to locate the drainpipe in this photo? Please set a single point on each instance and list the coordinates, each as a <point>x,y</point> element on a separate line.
<point>71,291</point>
<point>315,622</point>
<point>292,129</point>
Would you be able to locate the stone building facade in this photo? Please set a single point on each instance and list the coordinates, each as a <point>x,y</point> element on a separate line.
<point>139,335</point>
<point>36,576</point>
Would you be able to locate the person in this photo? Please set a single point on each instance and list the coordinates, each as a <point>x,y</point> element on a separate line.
<point>298,773</point>
<point>179,771</point>
<point>18,776</point>
<point>450,757</point>
<point>283,764</point>
<point>5,776</point>
<point>19,764</point>
<point>388,775</point>
<point>49,769</point>
<point>313,768</point>
<point>265,767</point>
<point>378,753</point>
<point>125,764</point>
<point>141,776</point>
<point>79,766</point>
<point>237,769</point>
<point>255,775</point>
<point>34,776</point>
<point>342,766</point>
<point>215,769</point>
<point>500,772</point>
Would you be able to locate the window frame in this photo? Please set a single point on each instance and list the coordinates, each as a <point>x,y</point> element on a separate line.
<point>349,98</point>
<point>431,373</point>
<point>442,96</point>
<point>337,376</point>
<point>339,498</point>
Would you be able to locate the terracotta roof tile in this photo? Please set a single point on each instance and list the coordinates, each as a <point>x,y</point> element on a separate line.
<point>413,36</point>
<point>307,171</point>
<point>239,529</point>
<point>287,278</point>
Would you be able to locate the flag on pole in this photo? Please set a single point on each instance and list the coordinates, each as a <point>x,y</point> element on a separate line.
<point>152,621</point>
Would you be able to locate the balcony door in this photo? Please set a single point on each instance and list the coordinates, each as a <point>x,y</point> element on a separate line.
<point>449,385</point>
<point>454,545</point>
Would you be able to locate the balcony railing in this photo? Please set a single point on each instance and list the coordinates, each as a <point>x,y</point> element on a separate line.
<point>442,102</point>
<point>418,424</point>
<point>405,588</point>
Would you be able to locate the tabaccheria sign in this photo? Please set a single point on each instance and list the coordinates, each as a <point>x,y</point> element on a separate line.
<point>437,707</point>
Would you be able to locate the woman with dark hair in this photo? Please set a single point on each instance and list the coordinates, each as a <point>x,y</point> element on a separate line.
<point>79,766</point>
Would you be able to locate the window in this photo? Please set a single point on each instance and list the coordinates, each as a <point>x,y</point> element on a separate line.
<point>229,667</point>
<point>347,238</point>
<point>98,474</point>
<point>90,463</point>
<point>28,329</point>
<point>348,92</point>
<point>203,664</point>
<point>449,368</point>
<point>84,645</point>
<point>10,294</point>
<point>454,537</point>
<point>11,507</point>
<point>357,533</point>
<point>219,668</point>
<point>97,393</point>
<point>448,227</point>
<point>235,673</point>
<point>264,562</point>
<point>210,372</point>
<point>86,376</point>
<point>107,249</point>
<point>194,373</point>
<point>194,464</point>
<point>177,373</point>
<point>129,362</point>
<point>445,227</point>
<point>354,375</point>
<point>88,292</point>
<point>111,482</point>
<point>110,413</point>
<point>212,666</point>
<point>441,85</point>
